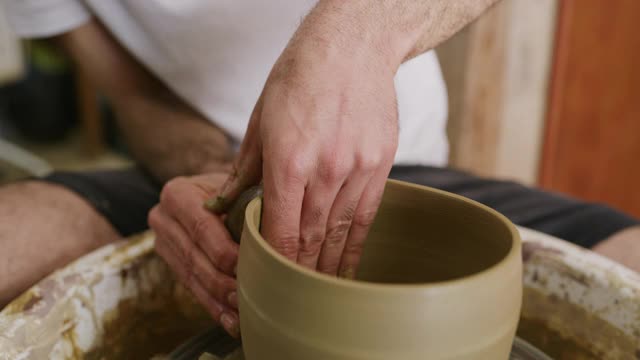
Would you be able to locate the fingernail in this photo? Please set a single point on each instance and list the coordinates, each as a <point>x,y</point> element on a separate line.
<point>230,324</point>
<point>233,299</point>
<point>217,205</point>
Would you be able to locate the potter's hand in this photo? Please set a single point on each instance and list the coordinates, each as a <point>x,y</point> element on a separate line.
<point>323,135</point>
<point>322,138</point>
<point>197,246</point>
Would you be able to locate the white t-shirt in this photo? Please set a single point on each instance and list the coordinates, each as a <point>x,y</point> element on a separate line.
<point>217,55</point>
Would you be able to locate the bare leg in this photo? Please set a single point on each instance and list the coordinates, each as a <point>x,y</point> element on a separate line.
<point>43,227</point>
<point>623,247</point>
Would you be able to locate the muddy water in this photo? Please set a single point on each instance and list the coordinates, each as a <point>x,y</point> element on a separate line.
<point>141,335</point>
<point>565,331</point>
<point>538,333</point>
<point>546,323</point>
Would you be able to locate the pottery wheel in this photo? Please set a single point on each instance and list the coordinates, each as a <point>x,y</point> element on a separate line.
<point>216,344</point>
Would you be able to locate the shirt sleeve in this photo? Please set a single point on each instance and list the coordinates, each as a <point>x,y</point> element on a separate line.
<point>45,18</point>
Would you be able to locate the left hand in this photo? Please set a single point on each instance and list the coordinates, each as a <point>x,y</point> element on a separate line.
<point>322,138</point>
<point>196,245</point>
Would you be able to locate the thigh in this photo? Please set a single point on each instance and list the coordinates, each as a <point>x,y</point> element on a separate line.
<point>570,219</point>
<point>44,226</point>
<point>46,223</point>
<point>123,197</point>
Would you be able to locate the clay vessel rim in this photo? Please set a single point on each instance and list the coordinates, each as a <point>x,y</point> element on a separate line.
<point>511,256</point>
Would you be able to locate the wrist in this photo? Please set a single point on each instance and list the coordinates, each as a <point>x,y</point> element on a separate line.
<point>362,31</point>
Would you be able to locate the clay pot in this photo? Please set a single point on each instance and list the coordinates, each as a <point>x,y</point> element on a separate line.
<point>440,278</point>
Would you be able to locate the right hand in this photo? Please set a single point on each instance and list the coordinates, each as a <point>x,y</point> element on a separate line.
<point>197,246</point>
<point>322,139</point>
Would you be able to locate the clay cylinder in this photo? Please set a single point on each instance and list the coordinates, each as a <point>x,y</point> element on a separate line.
<point>440,278</point>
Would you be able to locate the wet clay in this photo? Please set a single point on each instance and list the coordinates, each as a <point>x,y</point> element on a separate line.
<point>153,323</point>
<point>139,334</point>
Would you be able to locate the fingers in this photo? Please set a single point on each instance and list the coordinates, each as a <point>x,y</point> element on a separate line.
<point>310,221</point>
<point>284,188</point>
<point>197,246</point>
<point>339,223</point>
<point>228,318</point>
<point>318,198</point>
<point>363,218</point>
<point>204,230</point>
<point>193,261</point>
<point>247,167</point>
<point>214,290</point>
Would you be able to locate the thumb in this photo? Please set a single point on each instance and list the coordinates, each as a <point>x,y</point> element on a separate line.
<point>247,167</point>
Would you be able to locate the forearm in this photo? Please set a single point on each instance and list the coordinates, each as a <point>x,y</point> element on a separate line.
<point>165,135</point>
<point>169,139</point>
<point>396,30</point>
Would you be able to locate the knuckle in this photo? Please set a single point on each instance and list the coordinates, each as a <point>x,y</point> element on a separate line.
<point>368,162</point>
<point>365,218</point>
<point>309,251</point>
<point>170,189</point>
<point>228,283</point>
<point>201,229</point>
<point>153,218</point>
<point>295,166</point>
<point>286,245</point>
<point>226,261</point>
<point>336,232</point>
<point>310,242</point>
<point>220,254</point>
<point>353,249</point>
<point>349,212</point>
<point>174,184</point>
<point>333,170</point>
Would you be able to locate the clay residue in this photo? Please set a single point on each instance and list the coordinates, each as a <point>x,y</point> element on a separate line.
<point>622,295</point>
<point>135,334</point>
<point>153,323</point>
<point>70,336</point>
<point>530,248</point>
<point>23,303</point>
<point>122,252</point>
<point>564,330</point>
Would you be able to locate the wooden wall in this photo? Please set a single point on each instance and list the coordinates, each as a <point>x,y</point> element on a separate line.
<point>497,73</point>
<point>592,147</point>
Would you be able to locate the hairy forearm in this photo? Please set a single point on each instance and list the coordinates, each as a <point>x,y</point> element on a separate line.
<point>165,136</point>
<point>396,30</point>
<point>169,139</point>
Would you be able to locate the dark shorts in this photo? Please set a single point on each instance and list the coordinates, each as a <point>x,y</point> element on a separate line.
<point>125,197</point>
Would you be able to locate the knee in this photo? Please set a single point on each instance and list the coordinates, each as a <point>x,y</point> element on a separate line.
<point>42,227</point>
<point>32,189</point>
<point>38,205</point>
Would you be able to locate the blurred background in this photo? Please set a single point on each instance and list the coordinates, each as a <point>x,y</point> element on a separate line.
<point>544,92</point>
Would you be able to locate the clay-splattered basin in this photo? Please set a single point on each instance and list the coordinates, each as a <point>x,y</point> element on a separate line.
<point>440,278</point>
<point>121,302</point>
